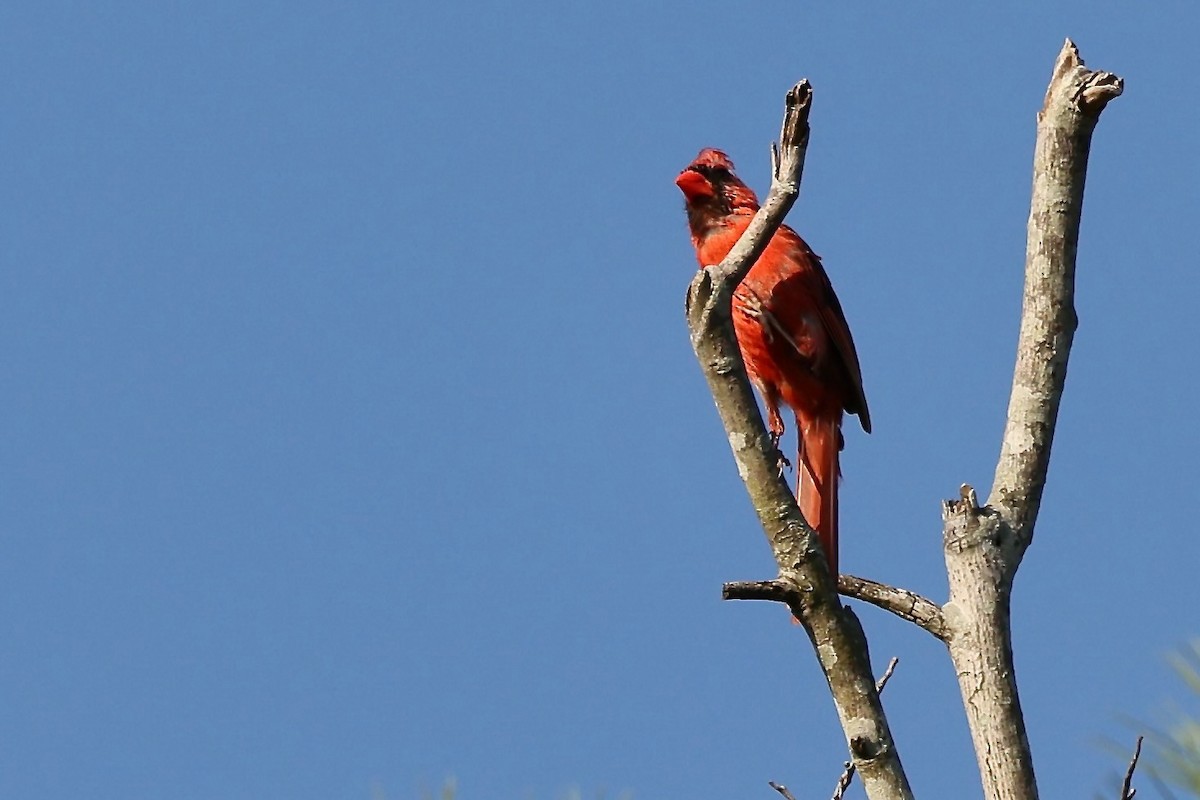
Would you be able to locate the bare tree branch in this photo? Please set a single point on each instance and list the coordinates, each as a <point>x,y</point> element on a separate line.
<point>887,674</point>
<point>984,545</point>
<point>839,791</point>
<point>905,604</point>
<point>783,790</point>
<point>1127,792</point>
<point>787,162</point>
<point>777,591</point>
<point>1069,114</point>
<point>835,632</point>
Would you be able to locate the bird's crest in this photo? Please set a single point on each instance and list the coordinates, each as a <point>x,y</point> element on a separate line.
<point>712,158</point>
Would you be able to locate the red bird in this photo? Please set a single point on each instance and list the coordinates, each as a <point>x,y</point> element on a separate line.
<point>792,332</point>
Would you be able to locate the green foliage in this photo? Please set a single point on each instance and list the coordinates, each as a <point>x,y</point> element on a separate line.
<point>449,791</point>
<point>1174,749</point>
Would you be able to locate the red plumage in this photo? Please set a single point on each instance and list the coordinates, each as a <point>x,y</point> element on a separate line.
<point>792,333</point>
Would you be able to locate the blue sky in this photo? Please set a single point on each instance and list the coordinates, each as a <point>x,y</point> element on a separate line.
<point>351,438</point>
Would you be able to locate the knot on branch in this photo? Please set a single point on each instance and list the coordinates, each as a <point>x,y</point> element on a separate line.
<point>966,509</point>
<point>866,748</point>
<point>968,525</point>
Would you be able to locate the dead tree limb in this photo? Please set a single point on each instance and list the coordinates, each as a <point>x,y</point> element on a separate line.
<point>903,603</point>
<point>835,632</point>
<point>1127,790</point>
<point>984,545</point>
<point>783,790</point>
<point>843,782</point>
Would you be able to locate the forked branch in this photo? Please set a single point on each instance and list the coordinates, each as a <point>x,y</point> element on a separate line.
<point>811,593</point>
<point>983,544</point>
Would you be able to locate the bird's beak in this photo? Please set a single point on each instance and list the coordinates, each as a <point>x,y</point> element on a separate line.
<point>694,185</point>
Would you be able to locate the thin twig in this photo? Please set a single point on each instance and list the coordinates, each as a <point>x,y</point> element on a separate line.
<point>907,605</point>
<point>887,674</point>
<point>776,591</point>
<point>848,772</point>
<point>783,790</point>
<point>1127,792</point>
<point>844,781</point>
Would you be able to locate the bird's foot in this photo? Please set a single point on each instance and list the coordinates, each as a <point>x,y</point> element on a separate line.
<point>782,462</point>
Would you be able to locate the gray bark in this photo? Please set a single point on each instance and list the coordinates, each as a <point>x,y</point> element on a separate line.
<point>984,546</point>
<point>804,582</point>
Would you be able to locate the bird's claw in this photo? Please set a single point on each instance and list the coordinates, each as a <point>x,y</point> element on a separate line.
<point>782,463</point>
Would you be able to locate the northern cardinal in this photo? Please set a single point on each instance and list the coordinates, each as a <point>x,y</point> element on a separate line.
<point>792,333</point>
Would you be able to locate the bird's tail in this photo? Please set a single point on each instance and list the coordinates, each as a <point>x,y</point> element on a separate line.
<point>817,489</point>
